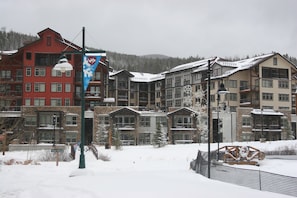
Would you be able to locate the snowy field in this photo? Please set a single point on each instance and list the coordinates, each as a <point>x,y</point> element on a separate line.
<point>133,171</point>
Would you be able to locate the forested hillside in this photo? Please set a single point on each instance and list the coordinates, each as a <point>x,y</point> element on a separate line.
<point>150,63</point>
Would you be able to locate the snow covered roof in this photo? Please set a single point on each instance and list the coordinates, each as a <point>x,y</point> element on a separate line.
<point>140,76</point>
<point>10,52</point>
<point>266,112</point>
<point>242,64</point>
<point>190,65</point>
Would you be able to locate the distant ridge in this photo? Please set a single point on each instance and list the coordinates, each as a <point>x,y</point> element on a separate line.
<point>156,56</point>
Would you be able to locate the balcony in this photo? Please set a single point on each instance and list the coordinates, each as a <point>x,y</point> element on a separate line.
<point>248,88</point>
<point>11,112</point>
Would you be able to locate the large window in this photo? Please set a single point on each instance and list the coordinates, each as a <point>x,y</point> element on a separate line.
<point>46,59</point>
<point>268,72</point>
<point>28,71</point>
<point>71,136</point>
<point>232,84</point>
<point>181,121</point>
<point>67,87</point>
<point>125,121</point>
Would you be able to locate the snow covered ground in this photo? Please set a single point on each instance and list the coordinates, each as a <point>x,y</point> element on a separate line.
<point>134,171</point>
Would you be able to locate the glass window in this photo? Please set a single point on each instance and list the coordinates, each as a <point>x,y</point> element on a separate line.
<point>27,102</point>
<point>71,136</point>
<point>283,97</point>
<point>28,87</point>
<point>67,102</point>
<point>56,87</point>
<point>39,87</point>
<point>28,71</point>
<point>39,102</point>
<point>56,102</point>
<point>39,71</point>
<point>246,121</point>
<point>30,121</point>
<point>267,96</point>
<point>283,84</point>
<point>67,87</point>
<point>71,119</point>
<point>267,83</point>
<point>145,121</point>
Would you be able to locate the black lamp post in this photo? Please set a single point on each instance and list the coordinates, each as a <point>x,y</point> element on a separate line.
<point>63,66</point>
<point>54,123</point>
<point>208,121</point>
<point>221,90</point>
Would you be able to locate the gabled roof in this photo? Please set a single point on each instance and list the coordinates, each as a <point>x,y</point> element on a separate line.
<point>185,109</point>
<point>242,64</point>
<point>122,111</point>
<point>139,76</point>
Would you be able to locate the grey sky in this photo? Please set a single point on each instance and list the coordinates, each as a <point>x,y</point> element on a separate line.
<point>182,28</point>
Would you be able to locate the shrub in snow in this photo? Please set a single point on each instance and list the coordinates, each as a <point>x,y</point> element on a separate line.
<point>47,155</point>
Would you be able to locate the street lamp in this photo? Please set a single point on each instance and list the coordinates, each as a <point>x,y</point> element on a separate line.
<point>54,123</point>
<point>63,66</point>
<point>208,121</point>
<point>221,91</point>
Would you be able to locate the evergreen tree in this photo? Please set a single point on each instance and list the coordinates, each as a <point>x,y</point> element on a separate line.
<point>159,137</point>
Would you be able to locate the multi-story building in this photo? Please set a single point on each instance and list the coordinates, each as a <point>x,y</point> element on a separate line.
<point>260,102</point>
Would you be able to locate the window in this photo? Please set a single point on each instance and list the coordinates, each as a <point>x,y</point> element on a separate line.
<point>28,71</point>
<point>244,85</point>
<point>125,121</point>
<point>67,102</point>
<point>178,81</point>
<point>283,97</point>
<point>145,121</point>
<point>48,41</point>
<point>68,73</point>
<point>5,74</point>
<point>283,84</point>
<point>268,72</point>
<point>67,87</point>
<point>71,136</point>
<point>232,96</point>
<point>267,96</point>
<point>28,55</point>
<point>30,121</point>
<point>56,73</point>
<point>39,87</point>
<point>56,102</point>
<point>27,102</point>
<point>178,103</point>
<point>46,59</point>
<point>39,71</point>
<point>71,119</point>
<point>274,61</point>
<point>169,94</point>
<point>267,83</point>
<point>169,82</point>
<point>28,87</point>
<point>181,121</point>
<point>232,84</point>
<point>246,121</point>
<point>39,102</point>
<point>177,92</point>
<point>187,79</point>
<point>56,87</point>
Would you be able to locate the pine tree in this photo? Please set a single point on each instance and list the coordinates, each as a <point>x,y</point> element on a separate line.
<point>159,137</point>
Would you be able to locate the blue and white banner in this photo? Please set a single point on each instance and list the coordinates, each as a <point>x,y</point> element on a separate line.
<point>91,61</point>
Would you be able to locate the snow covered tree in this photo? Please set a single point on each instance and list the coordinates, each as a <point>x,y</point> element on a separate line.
<point>159,136</point>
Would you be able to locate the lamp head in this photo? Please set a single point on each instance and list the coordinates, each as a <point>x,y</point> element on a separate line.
<point>63,65</point>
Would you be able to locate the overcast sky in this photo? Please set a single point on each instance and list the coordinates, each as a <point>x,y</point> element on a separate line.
<point>178,28</point>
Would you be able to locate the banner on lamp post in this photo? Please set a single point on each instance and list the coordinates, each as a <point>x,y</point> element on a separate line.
<point>90,63</point>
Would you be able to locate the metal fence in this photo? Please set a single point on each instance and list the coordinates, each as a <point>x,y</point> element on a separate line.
<point>255,179</point>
